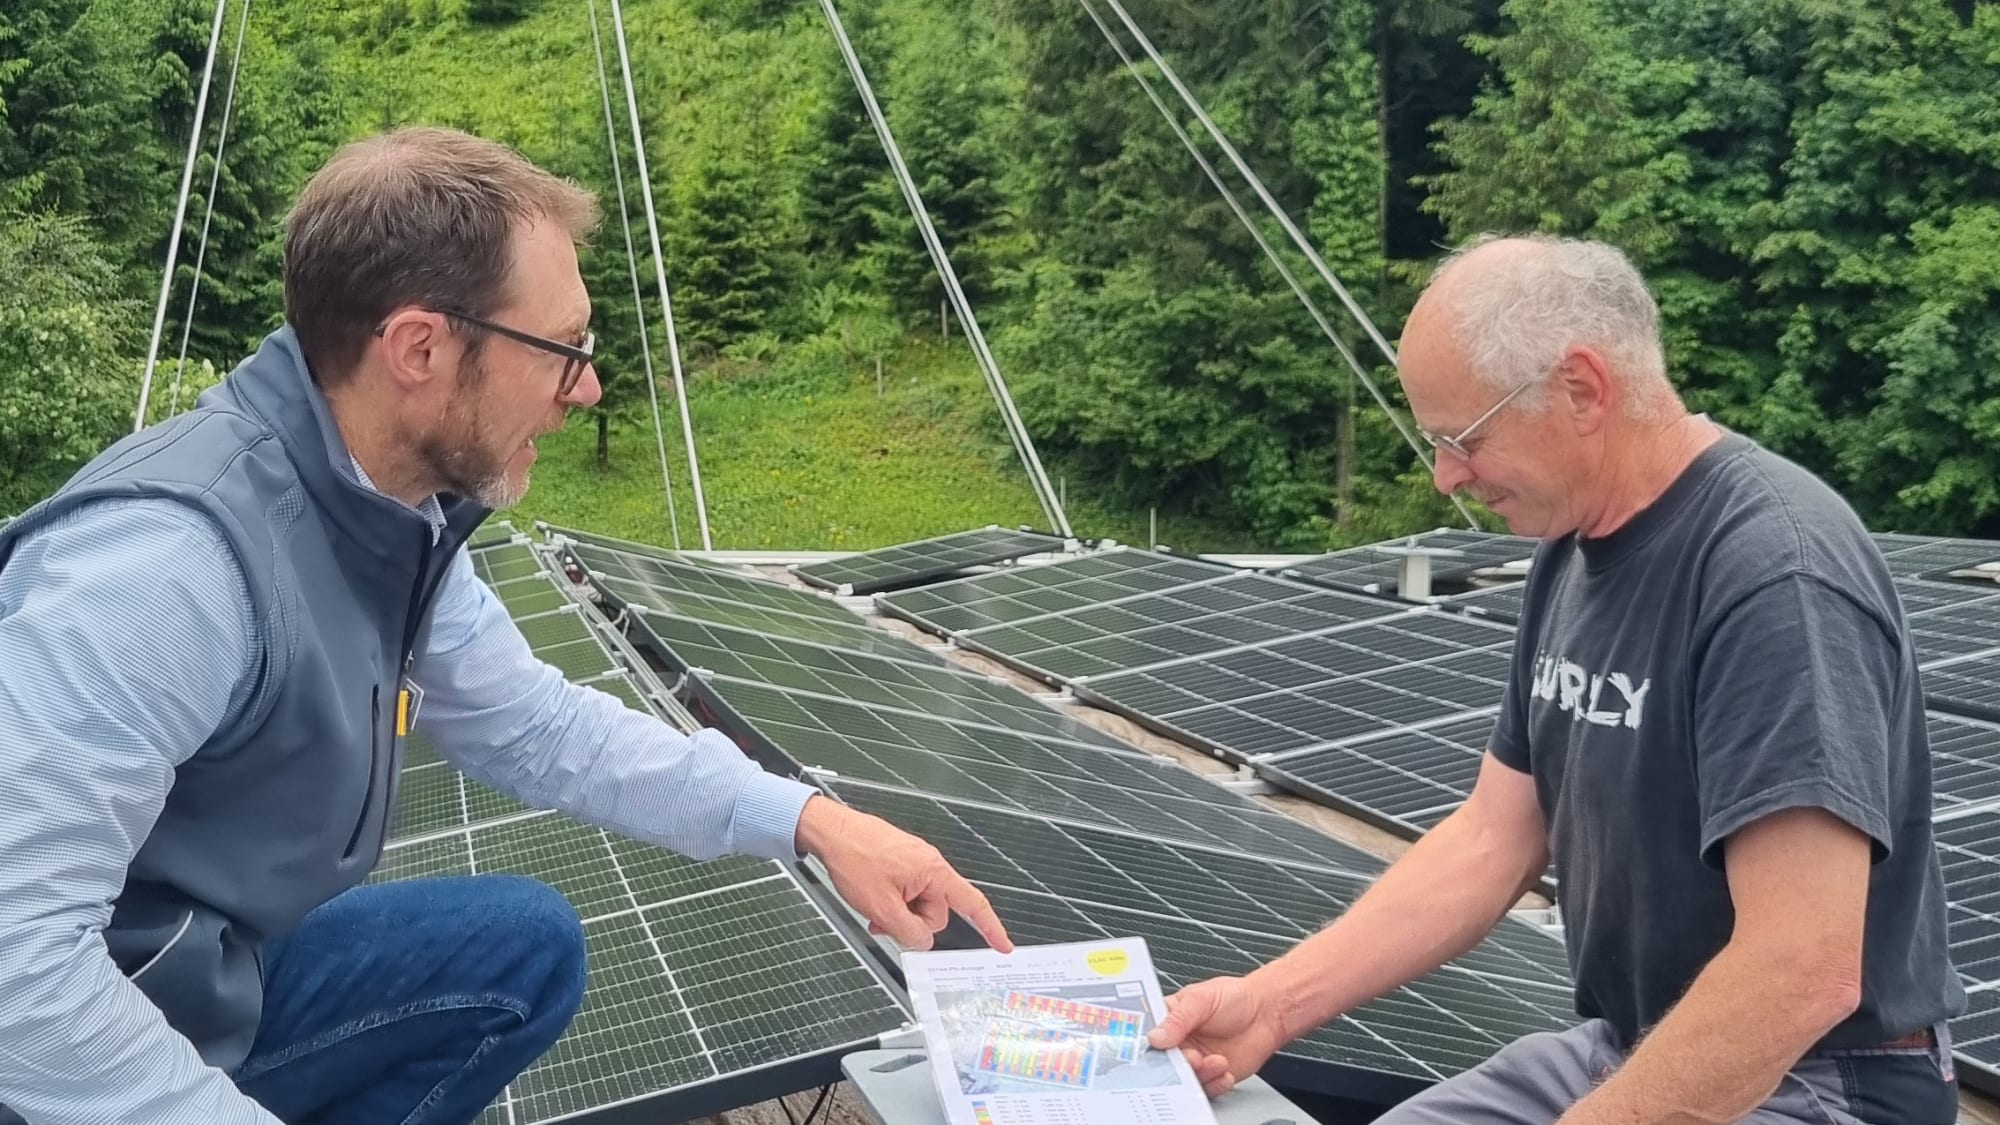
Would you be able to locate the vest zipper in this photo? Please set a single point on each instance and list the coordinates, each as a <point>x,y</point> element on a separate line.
<point>431,569</point>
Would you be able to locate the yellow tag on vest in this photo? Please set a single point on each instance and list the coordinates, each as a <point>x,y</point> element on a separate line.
<point>403,713</point>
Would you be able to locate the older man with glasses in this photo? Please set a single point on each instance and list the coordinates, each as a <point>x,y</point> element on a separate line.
<point>214,637</point>
<point>1713,727</point>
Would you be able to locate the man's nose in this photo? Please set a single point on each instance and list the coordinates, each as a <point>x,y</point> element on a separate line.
<point>1449,472</point>
<point>587,391</point>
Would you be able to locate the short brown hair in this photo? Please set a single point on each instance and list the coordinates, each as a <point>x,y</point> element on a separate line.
<point>416,216</point>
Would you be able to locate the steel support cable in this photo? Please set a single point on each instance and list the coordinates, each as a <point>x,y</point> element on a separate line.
<point>660,271</point>
<point>180,219</point>
<point>632,263</point>
<point>1229,197</point>
<point>208,212</point>
<point>1257,185</point>
<point>1017,430</point>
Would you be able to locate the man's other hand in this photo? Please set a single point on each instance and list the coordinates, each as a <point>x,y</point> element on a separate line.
<point>1224,1028</point>
<point>902,885</point>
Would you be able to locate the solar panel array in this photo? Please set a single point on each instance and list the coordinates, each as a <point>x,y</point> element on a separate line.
<point>711,985</point>
<point>1368,705</point>
<point>1075,834</point>
<point>911,563</point>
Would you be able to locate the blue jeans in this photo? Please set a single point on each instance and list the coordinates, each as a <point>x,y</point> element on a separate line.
<point>413,1003</point>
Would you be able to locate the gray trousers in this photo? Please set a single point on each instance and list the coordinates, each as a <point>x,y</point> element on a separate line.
<point>1535,1079</point>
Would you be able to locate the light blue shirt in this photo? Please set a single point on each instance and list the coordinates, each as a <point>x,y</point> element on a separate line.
<point>127,639</point>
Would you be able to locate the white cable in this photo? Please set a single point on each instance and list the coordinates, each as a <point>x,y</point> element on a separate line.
<point>632,264</point>
<point>1017,430</point>
<point>180,219</point>
<point>660,271</point>
<point>1257,185</point>
<point>1229,197</point>
<point>208,213</point>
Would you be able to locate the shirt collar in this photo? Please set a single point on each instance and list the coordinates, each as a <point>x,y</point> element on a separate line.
<point>430,509</point>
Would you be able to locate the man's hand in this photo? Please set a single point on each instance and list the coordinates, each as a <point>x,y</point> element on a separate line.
<point>1224,1028</point>
<point>902,885</point>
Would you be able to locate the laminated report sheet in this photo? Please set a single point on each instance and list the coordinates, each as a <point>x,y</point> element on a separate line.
<point>1051,1035</point>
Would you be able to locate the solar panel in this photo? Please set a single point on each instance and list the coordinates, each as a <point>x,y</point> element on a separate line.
<point>1921,597</point>
<point>1171,624</point>
<point>1975,1040</point>
<point>1950,631</point>
<point>671,577</point>
<point>1031,591</point>
<point>1969,852</point>
<point>1205,912</point>
<point>823,673</point>
<point>911,563</point>
<point>1377,568</point>
<point>712,985</point>
<point>492,533</point>
<point>850,634</point>
<point>1418,668</point>
<point>1965,762</point>
<point>1967,686</point>
<point>1405,781</point>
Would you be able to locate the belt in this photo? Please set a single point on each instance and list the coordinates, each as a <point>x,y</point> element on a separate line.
<point>1922,1037</point>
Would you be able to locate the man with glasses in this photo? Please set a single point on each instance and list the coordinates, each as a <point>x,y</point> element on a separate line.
<point>214,639</point>
<point>1713,728</point>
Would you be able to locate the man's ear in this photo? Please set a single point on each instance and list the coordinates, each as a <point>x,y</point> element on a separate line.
<point>416,347</point>
<point>1585,390</point>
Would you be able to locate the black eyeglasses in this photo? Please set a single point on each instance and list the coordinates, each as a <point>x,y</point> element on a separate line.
<point>576,357</point>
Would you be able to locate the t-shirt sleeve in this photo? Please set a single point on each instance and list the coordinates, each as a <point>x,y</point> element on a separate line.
<point>1796,692</point>
<point>1510,728</point>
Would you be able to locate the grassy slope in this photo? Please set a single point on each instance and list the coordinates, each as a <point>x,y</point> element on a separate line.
<point>836,469</point>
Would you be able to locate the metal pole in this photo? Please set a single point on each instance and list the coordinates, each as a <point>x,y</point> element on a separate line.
<point>180,219</point>
<point>632,264</point>
<point>660,271</point>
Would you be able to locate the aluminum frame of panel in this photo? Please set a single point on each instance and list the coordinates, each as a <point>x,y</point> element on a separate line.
<point>1377,567</point>
<point>909,564</point>
<point>1495,603</point>
<point>1177,623</point>
<point>1208,912</point>
<point>950,608</point>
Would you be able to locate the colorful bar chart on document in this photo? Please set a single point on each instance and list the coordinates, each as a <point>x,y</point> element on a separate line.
<point>1051,1035</point>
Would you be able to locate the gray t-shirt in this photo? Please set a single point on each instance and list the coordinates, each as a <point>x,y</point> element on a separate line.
<point>1734,650</point>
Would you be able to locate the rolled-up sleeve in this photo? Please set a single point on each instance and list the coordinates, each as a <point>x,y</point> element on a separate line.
<point>513,722</point>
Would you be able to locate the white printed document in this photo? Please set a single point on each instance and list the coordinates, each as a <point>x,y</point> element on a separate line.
<point>1051,1035</point>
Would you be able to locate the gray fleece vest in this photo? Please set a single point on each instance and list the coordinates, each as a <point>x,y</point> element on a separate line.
<point>290,806</point>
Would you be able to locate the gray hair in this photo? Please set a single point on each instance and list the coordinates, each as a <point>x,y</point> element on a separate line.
<point>1515,323</point>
